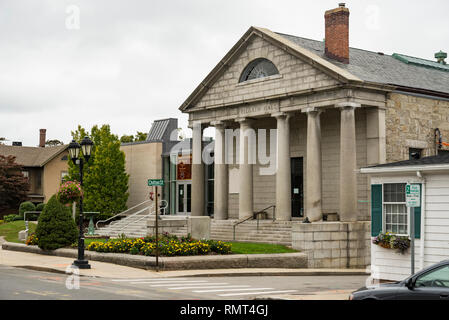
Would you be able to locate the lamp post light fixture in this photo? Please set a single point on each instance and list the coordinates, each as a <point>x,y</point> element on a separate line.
<point>74,150</point>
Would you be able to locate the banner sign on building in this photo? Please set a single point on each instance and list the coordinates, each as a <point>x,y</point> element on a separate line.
<point>184,168</point>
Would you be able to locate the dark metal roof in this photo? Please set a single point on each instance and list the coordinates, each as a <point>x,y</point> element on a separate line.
<point>442,158</point>
<point>161,129</point>
<point>382,68</point>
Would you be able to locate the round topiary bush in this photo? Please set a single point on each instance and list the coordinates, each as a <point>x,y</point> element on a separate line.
<point>40,207</point>
<point>26,206</point>
<point>55,228</point>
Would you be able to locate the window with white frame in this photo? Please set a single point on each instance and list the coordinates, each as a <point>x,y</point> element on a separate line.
<point>395,209</point>
<point>63,175</point>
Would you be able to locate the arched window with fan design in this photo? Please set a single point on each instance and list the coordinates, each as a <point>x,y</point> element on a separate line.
<point>258,68</point>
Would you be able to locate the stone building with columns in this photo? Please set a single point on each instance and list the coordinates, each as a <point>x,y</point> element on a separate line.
<point>334,109</point>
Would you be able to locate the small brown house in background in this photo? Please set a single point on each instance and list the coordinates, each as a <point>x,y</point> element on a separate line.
<point>43,166</point>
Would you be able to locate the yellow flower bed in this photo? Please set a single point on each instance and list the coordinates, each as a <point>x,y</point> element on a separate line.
<point>168,246</point>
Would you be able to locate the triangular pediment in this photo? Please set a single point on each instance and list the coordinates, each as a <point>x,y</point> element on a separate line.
<point>298,69</point>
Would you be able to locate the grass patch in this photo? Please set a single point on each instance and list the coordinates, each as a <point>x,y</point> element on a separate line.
<point>88,241</point>
<point>11,230</point>
<point>237,247</point>
<point>259,248</point>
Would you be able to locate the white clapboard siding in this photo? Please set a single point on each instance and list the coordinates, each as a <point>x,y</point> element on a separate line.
<point>394,266</point>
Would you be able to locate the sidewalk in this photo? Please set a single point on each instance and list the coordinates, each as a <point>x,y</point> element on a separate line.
<point>108,270</point>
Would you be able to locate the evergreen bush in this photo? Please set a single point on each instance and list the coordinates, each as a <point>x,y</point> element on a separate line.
<point>40,207</point>
<point>56,228</point>
<point>26,206</point>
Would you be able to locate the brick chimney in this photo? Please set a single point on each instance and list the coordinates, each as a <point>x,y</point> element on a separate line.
<point>337,33</point>
<point>42,137</point>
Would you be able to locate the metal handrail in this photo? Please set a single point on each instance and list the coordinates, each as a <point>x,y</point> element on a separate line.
<point>121,213</point>
<point>255,214</point>
<point>146,216</point>
<point>25,218</point>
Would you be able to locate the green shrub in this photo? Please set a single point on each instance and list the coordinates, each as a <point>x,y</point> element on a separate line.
<point>56,228</point>
<point>40,207</point>
<point>26,206</point>
<point>2,222</point>
<point>10,217</point>
<point>17,218</point>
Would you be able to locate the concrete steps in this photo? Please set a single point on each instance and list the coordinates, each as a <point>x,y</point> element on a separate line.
<point>132,226</point>
<point>275,232</point>
<point>278,232</point>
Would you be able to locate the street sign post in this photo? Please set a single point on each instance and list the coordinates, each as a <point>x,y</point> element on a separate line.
<point>155,183</point>
<point>413,200</point>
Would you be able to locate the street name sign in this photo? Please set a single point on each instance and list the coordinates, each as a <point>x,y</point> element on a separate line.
<point>155,182</point>
<point>413,195</point>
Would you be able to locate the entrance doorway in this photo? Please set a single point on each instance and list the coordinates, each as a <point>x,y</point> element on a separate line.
<point>183,198</point>
<point>297,191</point>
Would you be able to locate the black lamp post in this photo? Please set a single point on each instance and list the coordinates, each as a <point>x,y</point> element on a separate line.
<point>74,151</point>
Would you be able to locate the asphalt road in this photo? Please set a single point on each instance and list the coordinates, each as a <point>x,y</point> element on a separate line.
<point>24,284</point>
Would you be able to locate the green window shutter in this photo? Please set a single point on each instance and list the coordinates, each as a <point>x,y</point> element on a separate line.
<point>376,209</point>
<point>418,217</point>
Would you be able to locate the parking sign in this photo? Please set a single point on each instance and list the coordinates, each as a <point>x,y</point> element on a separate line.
<point>413,195</point>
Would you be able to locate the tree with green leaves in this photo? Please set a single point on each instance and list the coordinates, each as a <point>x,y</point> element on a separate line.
<point>126,139</point>
<point>140,136</point>
<point>53,143</point>
<point>105,182</point>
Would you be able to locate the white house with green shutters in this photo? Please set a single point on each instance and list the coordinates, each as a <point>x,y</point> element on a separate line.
<point>389,213</point>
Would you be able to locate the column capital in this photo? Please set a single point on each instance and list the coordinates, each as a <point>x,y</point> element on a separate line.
<point>193,124</point>
<point>347,105</point>
<point>309,110</point>
<point>278,115</point>
<point>244,120</point>
<point>219,124</point>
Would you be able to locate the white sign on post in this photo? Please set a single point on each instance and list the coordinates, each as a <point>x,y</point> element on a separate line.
<point>413,195</point>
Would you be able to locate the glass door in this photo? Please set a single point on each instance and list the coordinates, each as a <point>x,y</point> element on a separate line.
<point>183,198</point>
<point>297,187</point>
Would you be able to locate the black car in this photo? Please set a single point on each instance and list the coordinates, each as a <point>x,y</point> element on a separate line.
<point>431,283</point>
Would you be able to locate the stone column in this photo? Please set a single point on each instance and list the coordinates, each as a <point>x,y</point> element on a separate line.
<point>375,136</point>
<point>198,189</point>
<point>220,173</point>
<point>313,201</point>
<point>246,206</point>
<point>348,163</point>
<point>283,168</point>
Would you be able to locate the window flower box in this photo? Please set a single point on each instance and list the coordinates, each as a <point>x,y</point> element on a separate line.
<point>392,241</point>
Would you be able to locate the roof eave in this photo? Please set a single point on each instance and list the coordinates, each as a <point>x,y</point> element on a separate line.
<point>405,169</point>
<point>55,155</point>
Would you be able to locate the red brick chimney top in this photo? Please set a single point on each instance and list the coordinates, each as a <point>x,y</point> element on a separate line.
<point>337,33</point>
<point>42,137</point>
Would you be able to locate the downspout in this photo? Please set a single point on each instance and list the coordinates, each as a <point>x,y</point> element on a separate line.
<point>423,217</point>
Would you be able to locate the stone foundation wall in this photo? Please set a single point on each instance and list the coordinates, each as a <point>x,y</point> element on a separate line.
<point>169,225</point>
<point>334,244</point>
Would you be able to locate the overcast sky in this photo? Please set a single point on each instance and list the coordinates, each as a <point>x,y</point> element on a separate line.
<point>128,63</point>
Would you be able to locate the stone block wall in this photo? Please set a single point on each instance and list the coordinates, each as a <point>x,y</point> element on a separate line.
<point>293,75</point>
<point>411,122</point>
<point>334,244</point>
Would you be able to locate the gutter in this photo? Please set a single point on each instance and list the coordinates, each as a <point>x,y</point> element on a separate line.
<point>405,169</point>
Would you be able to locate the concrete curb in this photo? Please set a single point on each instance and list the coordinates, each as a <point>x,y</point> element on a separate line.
<point>238,261</point>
